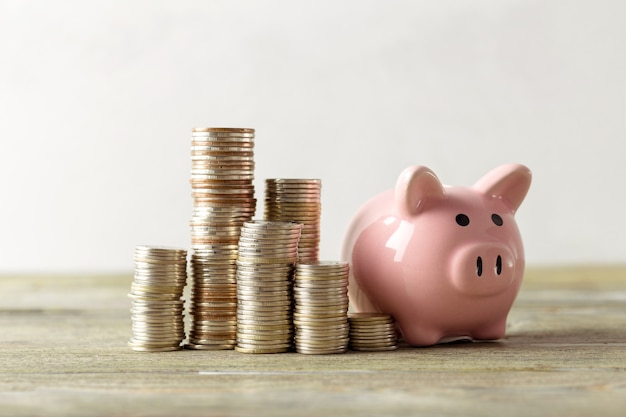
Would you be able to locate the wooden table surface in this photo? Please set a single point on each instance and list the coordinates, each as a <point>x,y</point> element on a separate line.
<point>63,352</point>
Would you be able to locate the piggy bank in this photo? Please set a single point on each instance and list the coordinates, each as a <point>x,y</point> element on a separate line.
<point>446,262</point>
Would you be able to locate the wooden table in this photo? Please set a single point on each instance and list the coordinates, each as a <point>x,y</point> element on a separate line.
<point>63,352</point>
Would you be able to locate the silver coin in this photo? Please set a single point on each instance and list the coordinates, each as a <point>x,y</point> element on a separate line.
<point>319,292</point>
<point>279,346</point>
<point>257,350</point>
<point>316,341</point>
<point>270,315</point>
<point>321,334</point>
<point>319,351</point>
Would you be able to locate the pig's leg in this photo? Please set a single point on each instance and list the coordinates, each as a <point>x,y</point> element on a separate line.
<point>491,331</point>
<point>416,334</point>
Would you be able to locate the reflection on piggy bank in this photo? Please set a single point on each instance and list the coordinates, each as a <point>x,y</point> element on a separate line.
<point>445,262</point>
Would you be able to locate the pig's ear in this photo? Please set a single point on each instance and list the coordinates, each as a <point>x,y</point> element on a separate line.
<point>415,186</point>
<point>508,182</point>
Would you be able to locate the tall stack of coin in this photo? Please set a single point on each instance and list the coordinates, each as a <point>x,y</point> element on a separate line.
<point>268,252</point>
<point>222,176</point>
<point>372,332</point>
<point>297,200</point>
<point>321,307</point>
<point>156,297</point>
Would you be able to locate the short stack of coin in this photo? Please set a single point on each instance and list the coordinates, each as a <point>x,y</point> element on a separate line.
<point>297,200</point>
<point>156,297</point>
<point>321,307</point>
<point>268,252</point>
<point>372,332</point>
<point>222,175</point>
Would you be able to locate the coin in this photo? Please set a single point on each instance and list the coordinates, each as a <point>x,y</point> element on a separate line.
<point>223,131</point>
<point>319,320</point>
<point>336,336</point>
<point>156,305</point>
<point>329,291</point>
<point>321,343</point>
<point>224,325</point>
<point>275,324</point>
<point>372,318</point>
<point>261,350</point>
<point>222,173</point>
<point>372,332</point>
<point>268,296</point>
<point>267,255</point>
<point>373,348</point>
<point>319,266</point>
<point>320,351</point>
<point>249,308</point>
<point>251,344</point>
<point>268,337</point>
<point>270,251</point>
<point>194,346</point>
<point>321,307</point>
<point>297,200</point>
<point>141,347</point>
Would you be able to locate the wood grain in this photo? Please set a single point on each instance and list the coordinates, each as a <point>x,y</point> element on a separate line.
<point>63,353</point>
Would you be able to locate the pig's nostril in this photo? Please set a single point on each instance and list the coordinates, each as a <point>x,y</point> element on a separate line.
<point>499,265</point>
<point>479,266</point>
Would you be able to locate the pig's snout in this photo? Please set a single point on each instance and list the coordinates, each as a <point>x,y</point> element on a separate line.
<point>483,269</point>
<point>497,267</point>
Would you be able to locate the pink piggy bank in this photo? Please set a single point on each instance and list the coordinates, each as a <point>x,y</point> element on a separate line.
<point>445,262</point>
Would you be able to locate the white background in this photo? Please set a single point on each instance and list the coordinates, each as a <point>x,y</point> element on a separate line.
<point>97,100</point>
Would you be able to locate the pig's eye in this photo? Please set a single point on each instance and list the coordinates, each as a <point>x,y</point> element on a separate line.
<point>462,219</point>
<point>497,220</point>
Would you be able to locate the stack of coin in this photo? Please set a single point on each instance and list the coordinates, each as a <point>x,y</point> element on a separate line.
<point>268,252</point>
<point>372,332</point>
<point>213,299</point>
<point>156,297</point>
<point>297,200</point>
<point>321,307</point>
<point>222,175</point>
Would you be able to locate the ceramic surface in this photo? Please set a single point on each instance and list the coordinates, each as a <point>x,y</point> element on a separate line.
<point>446,262</point>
